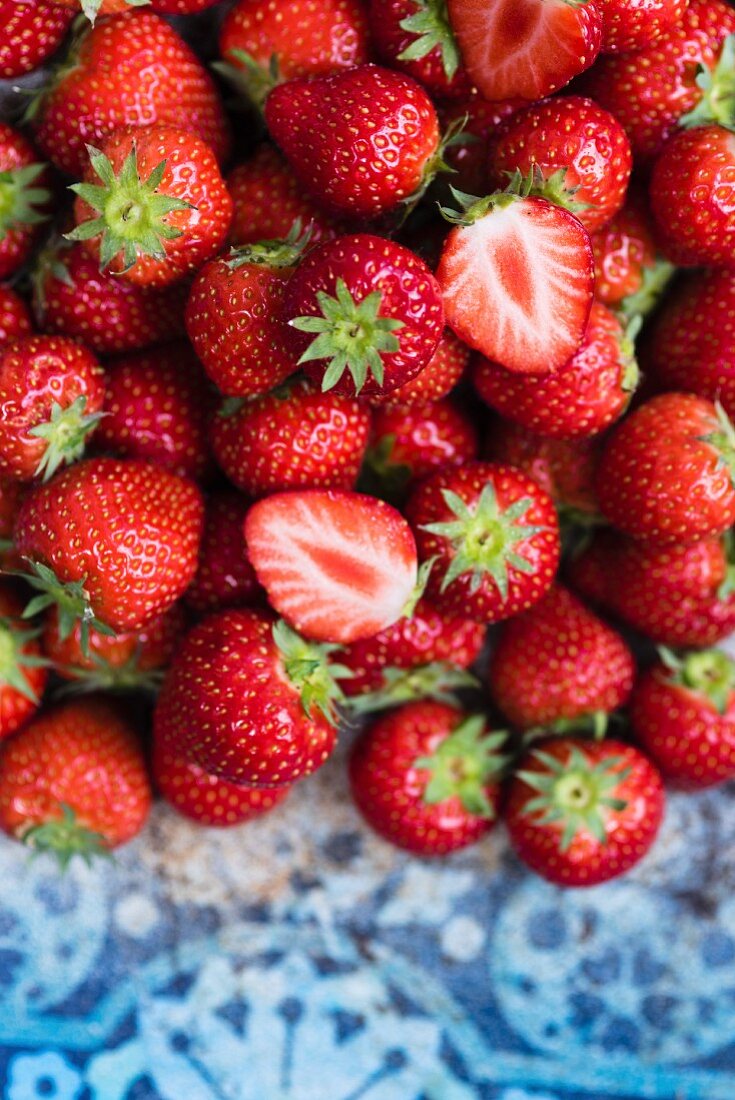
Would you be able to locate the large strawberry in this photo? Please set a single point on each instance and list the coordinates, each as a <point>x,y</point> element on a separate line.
<point>23,671</point>
<point>414,37</point>
<point>153,206</point>
<point>494,537</point>
<point>667,472</point>
<point>366,314</point>
<point>74,781</point>
<point>559,662</point>
<point>133,70</point>
<point>426,777</point>
<point>15,318</point>
<point>337,565</point>
<point>32,31</point>
<point>224,576</point>
<point>629,275</point>
<point>517,278</point>
<point>24,198</point>
<point>632,25</point>
<point>110,541</point>
<point>51,392</point>
<point>249,701</point>
<point>579,812</point>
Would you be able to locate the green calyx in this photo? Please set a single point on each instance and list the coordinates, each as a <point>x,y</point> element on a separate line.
<point>727,585</point>
<point>717,104</point>
<point>71,600</point>
<point>438,680</point>
<point>463,765</point>
<point>430,25</point>
<point>708,672</point>
<point>575,794</point>
<point>65,434</point>
<point>594,725</point>
<point>132,215</point>
<point>21,202</point>
<point>350,336</point>
<point>654,280</point>
<point>471,208</point>
<point>50,265</point>
<point>485,539</point>
<point>128,676</point>
<point>628,361</point>
<point>248,77</point>
<point>14,661</point>
<point>66,838</point>
<point>282,253</point>
<point>311,672</point>
<point>554,188</point>
<point>722,438</point>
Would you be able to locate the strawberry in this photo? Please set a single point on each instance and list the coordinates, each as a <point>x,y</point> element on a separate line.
<point>683,714</point>
<point>73,297</point>
<point>426,777</point>
<point>93,8</point>
<point>629,276</point>
<point>267,200</point>
<point>666,473</point>
<point>133,70</point>
<point>32,31</point>
<point>292,438</point>
<point>480,119</point>
<point>366,313</point>
<point>338,566</point>
<point>631,25</point>
<point>586,395</point>
<point>12,493</point>
<point>157,406</point>
<point>24,199</point>
<point>74,781</point>
<point>111,541</point>
<point>581,151</point>
<point>207,799</point>
<point>692,195</point>
<point>559,663</point>
<point>652,91</point>
<point>414,37</point>
<point>677,595</point>
<point>248,701</point>
<point>361,142</point>
<point>224,576</point>
<point>579,812</point>
<point>23,671</point>
<point>51,392</point>
<point>525,48</point>
<point>493,535</point>
<point>234,316</point>
<point>434,381</point>
<point>158,209</point>
<point>15,319</point>
<point>517,276</point>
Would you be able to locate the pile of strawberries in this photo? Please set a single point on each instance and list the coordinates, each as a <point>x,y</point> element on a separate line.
<point>316,367</point>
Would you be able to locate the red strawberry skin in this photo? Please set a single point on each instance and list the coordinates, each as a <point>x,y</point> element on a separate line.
<point>17,234</point>
<point>128,529</point>
<point>624,250</point>
<point>133,70</point>
<point>470,160</point>
<point>11,496</point>
<point>564,468</point>
<point>632,25</point>
<point>224,576</point>
<point>68,756</point>
<point>350,167</point>
<point>32,31</point>
<point>559,661</point>
<point>434,381</point>
<point>15,318</point>
<point>16,707</point>
<point>228,705</point>
<point>630,832</point>
<point>392,39</point>
<point>408,444</point>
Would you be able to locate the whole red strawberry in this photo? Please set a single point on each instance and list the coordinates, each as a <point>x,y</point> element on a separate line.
<point>414,37</point>
<point>426,777</point>
<point>683,715</point>
<point>32,31</point>
<point>629,276</point>
<point>12,493</point>
<point>361,142</point>
<point>665,473</point>
<point>224,576</point>
<point>581,812</point>
<point>52,774</point>
<point>133,70</point>
<point>24,198</point>
<point>366,314</point>
<point>632,25</point>
<point>15,319</point>
<point>249,701</point>
<point>480,120</point>
<point>292,438</point>
<point>580,150</point>
<point>23,672</point>
<point>559,662</point>
<point>586,395</point>
<point>154,206</point>
<point>51,393</point>
<point>111,540</point>
<point>494,537</point>
<point>434,381</point>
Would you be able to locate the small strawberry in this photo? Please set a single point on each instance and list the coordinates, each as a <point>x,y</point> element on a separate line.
<point>414,37</point>
<point>51,393</point>
<point>667,472</point>
<point>74,781</point>
<point>23,671</point>
<point>157,406</point>
<point>629,276</point>
<point>249,701</point>
<point>24,199</point>
<point>494,537</point>
<point>224,576</point>
<point>683,715</point>
<point>586,395</point>
<point>294,437</point>
<point>361,142</point>
<point>366,315</point>
<point>559,663</point>
<point>632,25</point>
<point>111,541</point>
<point>517,278</point>
<point>580,812</point>
<point>525,48</point>
<point>133,70</point>
<point>338,566</point>
<point>32,31</point>
<point>154,206</point>
<point>480,119</point>
<point>15,319</point>
<point>426,777</point>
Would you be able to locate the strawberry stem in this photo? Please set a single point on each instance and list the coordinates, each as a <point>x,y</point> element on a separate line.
<point>311,672</point>
<point>71,600</point>
<point>108,677</point>
<point>65,434</point>
<point>66,838</point>
<point>463,765</point>
<point>438,680</point>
